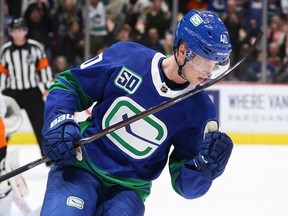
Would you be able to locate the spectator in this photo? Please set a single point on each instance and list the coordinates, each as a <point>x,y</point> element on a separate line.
<point>197,5</point>
<point>217,6</point>
<point>158,18</point>
<point>185,6</point>
<point>7,20</point>
<point>168,44</point>
<point>16,7</point>
<point>243,72</point>
<point>73,45</point>
<point>283,43</point>
<point>274,31</point>
<point>232,21</point>
<point>60,65</point>
<point>39,28</point>
<point>98,28</point>
<point>256,69</point>
<point>254,11</point>
<point>42,5</point>
<point>273,8</point>
<point>153,41</point>
<point>137,9</point>
<point>273,55</point>
<point>124,33</point>
<point>66,13</point>
<point>252,33</point>
<point>115,12</point>
<point>284,7</point>
<point>282,75</point>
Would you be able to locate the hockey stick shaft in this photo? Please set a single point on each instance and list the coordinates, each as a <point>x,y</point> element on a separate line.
<point>23,168</point>
<point>139,116</point>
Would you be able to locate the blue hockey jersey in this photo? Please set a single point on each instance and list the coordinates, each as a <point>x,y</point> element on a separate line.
<point>125,80</point>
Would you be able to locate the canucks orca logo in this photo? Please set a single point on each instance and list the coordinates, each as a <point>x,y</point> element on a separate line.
<point>138,139</point>
<point>75,202</point>
<point>128,80</point>
<point>196,20</point>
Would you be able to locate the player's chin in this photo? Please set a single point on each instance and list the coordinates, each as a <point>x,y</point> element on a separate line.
<point>194,82</point>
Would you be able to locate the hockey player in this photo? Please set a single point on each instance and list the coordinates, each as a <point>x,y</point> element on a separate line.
<point>10,121</point>
<point>112,175</point>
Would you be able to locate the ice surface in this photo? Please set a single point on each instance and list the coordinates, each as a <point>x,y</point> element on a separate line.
<point>254,183</point>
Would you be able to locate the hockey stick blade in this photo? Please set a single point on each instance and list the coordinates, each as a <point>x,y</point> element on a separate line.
<point>141,115</point>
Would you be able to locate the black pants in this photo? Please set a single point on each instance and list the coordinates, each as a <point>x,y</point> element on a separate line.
<point>31,100</point>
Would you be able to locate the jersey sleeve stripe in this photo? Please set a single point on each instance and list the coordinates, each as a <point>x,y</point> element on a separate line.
<point>43,63</point>
<point>3,142</point>
<point>3,70</point>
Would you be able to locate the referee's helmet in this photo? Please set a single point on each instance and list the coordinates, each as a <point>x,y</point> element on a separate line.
<point>18,23</point>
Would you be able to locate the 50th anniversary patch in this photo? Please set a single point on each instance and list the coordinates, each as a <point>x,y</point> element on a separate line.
<point>128,80</point>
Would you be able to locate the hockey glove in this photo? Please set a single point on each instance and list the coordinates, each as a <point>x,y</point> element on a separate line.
<point>60,132</point>
<point>214,154</point>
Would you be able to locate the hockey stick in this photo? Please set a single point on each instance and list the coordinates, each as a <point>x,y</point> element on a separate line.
<point>141,115</point>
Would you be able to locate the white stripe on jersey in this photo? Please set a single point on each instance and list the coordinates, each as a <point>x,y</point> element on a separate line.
<point>158,83</point>
<point>17,61</point>
<point>25,70</point>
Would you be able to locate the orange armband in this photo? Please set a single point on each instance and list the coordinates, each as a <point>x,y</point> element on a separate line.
<point>3,141</point>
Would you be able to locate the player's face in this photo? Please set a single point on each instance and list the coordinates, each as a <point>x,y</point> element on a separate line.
<point>198,69</point>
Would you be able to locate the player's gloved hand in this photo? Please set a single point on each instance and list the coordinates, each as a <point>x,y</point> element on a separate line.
<point>60,132</point>
<point>215,151</point>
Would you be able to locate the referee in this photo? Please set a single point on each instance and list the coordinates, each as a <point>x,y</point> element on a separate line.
<point>24,69</point>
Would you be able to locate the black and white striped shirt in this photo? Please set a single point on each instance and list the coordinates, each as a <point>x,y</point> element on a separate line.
<point>24,67</point>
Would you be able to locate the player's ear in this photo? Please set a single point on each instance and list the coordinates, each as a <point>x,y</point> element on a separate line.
<point>182,52</point>
<point>183,49</point>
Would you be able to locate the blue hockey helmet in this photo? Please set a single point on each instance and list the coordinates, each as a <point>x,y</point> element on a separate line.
<point>205,35</point>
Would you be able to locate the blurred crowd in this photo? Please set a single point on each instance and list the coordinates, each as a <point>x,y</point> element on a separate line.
<point>59,25</point>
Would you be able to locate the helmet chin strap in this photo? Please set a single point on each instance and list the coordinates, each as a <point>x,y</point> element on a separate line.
<point>180,73</point>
